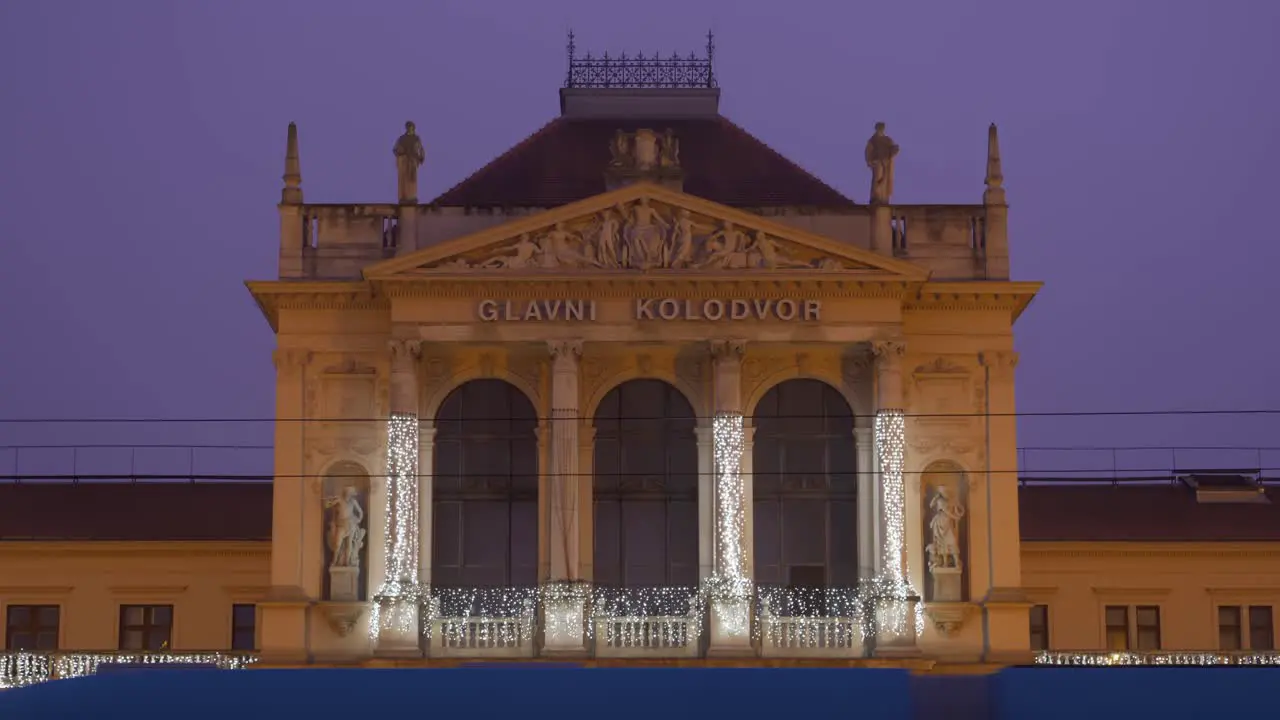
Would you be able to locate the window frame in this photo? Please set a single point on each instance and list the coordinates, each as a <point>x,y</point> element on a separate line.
<point>1048,636</point>
<point>34,626</point>
<point>1241,612</point>
<point>122,628</point>
<point>236,629</point>
<point>1247,627</point>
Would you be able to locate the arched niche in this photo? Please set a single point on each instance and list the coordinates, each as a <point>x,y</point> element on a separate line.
<point>944,512</point>
<point>804,486</point>
<point>645,487</point>
<point>344,489</point>
<point>484,500</point>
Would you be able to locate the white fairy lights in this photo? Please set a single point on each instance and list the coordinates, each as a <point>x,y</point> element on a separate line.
<point>1186,657</point>
<point>20,669</point>
<point>895,599</point>
<point>394,608</point>
<point>728,443</point>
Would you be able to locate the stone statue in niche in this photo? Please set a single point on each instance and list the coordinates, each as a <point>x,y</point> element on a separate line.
<point>620,149</point>
<point>881,153</point>
<point>670,149</point>
<point>409,157</point>
<point>345,541</point>
<point>645,235</point>
<point>945,556</point>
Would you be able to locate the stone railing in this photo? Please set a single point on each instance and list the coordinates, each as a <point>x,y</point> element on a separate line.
<point>338,241</point>
<point>481,637</point>
<point>1103,658</point>
<point>647,636</point>
<point>950,240</point>
<point>19,669</point>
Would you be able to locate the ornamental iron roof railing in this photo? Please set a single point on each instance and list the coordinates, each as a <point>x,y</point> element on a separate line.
<point>641,71</point>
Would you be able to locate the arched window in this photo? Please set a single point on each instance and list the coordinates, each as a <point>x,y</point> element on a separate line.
<point>646,487</point>
<point>804,483</point>
<point>485,488</point>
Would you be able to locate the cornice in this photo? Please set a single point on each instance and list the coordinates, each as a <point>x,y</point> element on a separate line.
<point>148,590</point>
<point>147,549</point>
<point>976,295</point>
<point>1119,550</point>
<point>40,590</point>
<point>693,285</point>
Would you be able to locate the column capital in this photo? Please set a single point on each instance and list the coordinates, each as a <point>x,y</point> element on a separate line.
<point>889,351</point>
<point>290,358</point>
<point>404,349</point>
<point>567,349</point>
<point>727,349</point>
<point>1001,362</point>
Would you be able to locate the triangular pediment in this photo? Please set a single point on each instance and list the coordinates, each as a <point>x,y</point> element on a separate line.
<point>643,228</point>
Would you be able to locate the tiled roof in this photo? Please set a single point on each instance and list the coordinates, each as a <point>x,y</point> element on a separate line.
<point>565,162</point>
<point>135,511</point>
<point>1141,513</point>
<point>242,511</point>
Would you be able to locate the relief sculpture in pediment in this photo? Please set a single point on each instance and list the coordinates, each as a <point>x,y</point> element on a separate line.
<point>643,235</point>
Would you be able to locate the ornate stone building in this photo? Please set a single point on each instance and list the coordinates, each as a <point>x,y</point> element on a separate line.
<point>639,390</point>
<point>642,387</point>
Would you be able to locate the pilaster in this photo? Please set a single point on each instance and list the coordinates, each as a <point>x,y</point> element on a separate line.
<point>400,595</point>
<point>868,520</point>
<point>566,605</point>
<point>284,623</point>
<point>730,602</point>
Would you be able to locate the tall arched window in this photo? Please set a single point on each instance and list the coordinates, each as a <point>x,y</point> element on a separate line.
<point>805,483</point>
<point>485,488</point>
<point>646,487</point>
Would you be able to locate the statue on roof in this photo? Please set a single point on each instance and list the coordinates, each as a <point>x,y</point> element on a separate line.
<point>670,149</point>
<point>881,153</point>
<point>409,157</point>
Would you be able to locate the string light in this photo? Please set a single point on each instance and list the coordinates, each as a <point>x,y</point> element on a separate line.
<point>895,600</point>
<point>20,669</point>
<point>665,617</point>
<point>394,609</point>
<point>1157,658</point>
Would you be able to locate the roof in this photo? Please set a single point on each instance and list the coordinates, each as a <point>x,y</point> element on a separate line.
<point>566,160</point>
<point>135,511</point>
<point>1141,513</point>
<point>242,511</point>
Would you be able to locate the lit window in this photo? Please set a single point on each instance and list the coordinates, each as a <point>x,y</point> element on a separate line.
<point>1117,618</point>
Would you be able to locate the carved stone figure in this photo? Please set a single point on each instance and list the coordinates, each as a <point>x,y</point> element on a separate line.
<point>944,530</point>
<point>644,149</point>
<point>523,255</point>
<point>346,537</point>
<point>409,157</point>
<point>620,149</point>
<point>881,153</point>
<point>670,150</point>
<point>643,235</point>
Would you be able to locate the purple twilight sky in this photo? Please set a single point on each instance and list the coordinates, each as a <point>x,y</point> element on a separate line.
<point>141,149</point>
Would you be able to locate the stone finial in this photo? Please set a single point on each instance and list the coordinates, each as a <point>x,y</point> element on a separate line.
<point>292,192</point>
<point>409,155</point>
<point>881,153</point>
<point>994,194</point>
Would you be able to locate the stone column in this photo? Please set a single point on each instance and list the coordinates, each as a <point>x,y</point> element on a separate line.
<point>565,604</point>
<point>731,591</point>
<point>868,537</point>
<point>706,502</point>
<point>399,598</point>
<point>896,606</point>
<point>284,613</point>
<point>426,470</point>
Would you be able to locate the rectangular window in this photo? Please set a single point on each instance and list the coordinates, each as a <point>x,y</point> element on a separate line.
<point>1148,627</point>
<point>31,627</point>
<point>146,627</point>
<point>1230,636</point>
<point>1262,634</point>
<point>1039,627</point>
<point>244,627</point>
<point>1117,619</point>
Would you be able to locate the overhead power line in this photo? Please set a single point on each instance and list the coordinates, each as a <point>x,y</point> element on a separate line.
<point>1062,413</point>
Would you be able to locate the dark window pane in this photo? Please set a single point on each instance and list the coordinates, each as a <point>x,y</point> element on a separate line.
<point>47,615</point>
<point>645,486</point>
<point>47,640</point>
<point>1040,627</point>
<point>1148,626</point>
<point>486,472</point>
<point>1229,635</point>
<point>804,478</point>
<point>1261,631</point>
<point>19,615</point>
